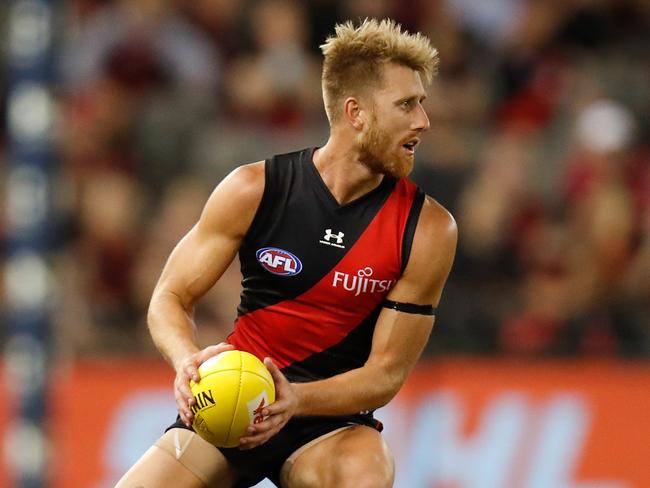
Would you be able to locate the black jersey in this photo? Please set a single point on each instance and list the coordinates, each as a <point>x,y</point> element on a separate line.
<point>315,272</point>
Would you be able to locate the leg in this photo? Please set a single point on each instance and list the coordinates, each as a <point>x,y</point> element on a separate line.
<point>353,457</point>
<point>180,459</point>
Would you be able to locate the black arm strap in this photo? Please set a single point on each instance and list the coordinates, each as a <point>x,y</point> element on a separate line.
<point>410,307</point>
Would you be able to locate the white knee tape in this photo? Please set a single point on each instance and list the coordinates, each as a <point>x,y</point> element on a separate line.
<point>196,454</point>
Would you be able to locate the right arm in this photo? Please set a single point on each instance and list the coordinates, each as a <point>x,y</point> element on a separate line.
<point>193,267</point>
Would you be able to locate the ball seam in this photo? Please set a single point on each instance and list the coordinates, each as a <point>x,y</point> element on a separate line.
<point>232,420</point>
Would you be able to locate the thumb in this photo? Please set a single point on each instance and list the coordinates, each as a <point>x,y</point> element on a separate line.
<point>211,351</point>
<point>270,365</point>
<point>277,375</point>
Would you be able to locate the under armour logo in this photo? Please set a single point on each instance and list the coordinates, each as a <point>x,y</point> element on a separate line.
<point>332,239</point>
<point>329,235</point>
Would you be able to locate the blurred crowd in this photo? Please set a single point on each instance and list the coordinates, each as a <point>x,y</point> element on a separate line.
<point>539,146</point>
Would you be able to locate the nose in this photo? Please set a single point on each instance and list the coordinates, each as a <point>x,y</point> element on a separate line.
<point>421,120</point>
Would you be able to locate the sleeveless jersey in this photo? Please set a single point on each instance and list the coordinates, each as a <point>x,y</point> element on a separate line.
<point>315,273</point>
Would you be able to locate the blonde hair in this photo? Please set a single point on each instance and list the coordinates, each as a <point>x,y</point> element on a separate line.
<point>355,56</point>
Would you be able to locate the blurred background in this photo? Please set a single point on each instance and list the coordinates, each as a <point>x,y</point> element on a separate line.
<point>120,116</point>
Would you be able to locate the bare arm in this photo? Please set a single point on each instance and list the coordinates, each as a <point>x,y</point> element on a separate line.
<point>193,267</point>
<point>397,343</point>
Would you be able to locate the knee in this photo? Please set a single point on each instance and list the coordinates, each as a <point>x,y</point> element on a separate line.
<point>361,472</point>
<point>345,472</point>
<point>354,458</point>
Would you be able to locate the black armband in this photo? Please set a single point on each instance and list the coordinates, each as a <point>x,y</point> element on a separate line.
<point>410,308</point>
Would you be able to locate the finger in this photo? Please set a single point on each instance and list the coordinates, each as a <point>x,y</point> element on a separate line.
<point>191,371</point>
<point>251,445</point>
<point>255,429</point>
<point>186,393</point>
<point>274,409</point>
<point>278,407</point>
<point>273,422</point>
<point>267,425</point>
<point>184,410</point>
<point>181,399</point>
<point>254,440</point>
<point>187,374</point>
<point>184,397</point>
<point>270,365</point>
<point>276,374</point>
<point>184,418</point>
<point>250,442</point>
<point>223,346</point>
<point>211,351</point>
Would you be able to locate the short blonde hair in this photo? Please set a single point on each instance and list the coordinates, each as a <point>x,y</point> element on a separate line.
<point>355,56</point>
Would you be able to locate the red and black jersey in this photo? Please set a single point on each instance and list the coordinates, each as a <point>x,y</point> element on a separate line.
<point>315,273</point>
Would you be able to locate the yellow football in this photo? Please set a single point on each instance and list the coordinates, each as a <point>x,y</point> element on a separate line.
<point>233,389</point>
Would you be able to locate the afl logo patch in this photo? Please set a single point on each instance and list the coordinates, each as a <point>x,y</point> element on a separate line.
<point>278,261</point>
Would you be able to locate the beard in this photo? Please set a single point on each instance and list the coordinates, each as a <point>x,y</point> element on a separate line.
<point>377,153</point>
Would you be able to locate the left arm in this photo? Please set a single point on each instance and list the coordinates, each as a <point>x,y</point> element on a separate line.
<point>397,342</point>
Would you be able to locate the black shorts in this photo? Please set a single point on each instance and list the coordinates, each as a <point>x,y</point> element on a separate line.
<point>265,461</point>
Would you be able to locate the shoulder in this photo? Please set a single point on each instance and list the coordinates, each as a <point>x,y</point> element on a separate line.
<point>245,181</point>
<point>235,200</point>
<point>436,224</point>
<point>432,254</point>
<point>243,186</point>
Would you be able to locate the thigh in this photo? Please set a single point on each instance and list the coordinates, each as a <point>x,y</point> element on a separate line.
<point>356,456</point>
<point>180,459</point>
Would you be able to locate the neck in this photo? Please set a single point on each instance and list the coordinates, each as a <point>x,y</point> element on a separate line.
<point>345,176</point>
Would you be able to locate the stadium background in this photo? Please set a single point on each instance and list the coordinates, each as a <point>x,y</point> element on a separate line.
<point>120,116</point>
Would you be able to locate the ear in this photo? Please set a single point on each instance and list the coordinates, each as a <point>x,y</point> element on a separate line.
<point>353,113</point>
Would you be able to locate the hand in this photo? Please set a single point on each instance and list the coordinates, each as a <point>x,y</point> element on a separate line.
<point>276,414</point>
<point>188,370</point>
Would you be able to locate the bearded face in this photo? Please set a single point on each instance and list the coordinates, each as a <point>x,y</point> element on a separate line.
<point>380,152</point>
